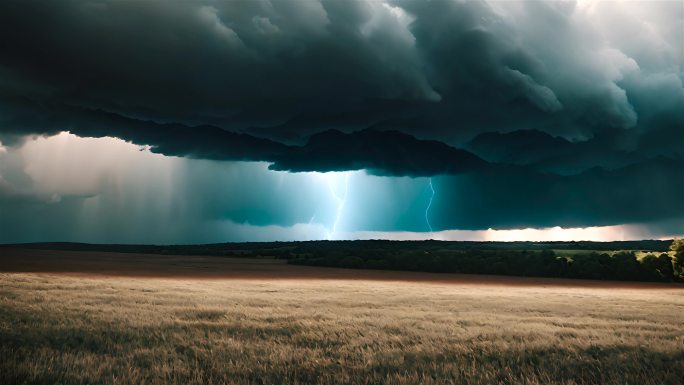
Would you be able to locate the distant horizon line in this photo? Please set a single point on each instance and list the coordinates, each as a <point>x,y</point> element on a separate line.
<point>331,241</point>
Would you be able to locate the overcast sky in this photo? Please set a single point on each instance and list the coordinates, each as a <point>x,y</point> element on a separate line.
<point>210,121</point>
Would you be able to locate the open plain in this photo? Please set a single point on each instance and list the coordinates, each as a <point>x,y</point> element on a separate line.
<point>107,318</point>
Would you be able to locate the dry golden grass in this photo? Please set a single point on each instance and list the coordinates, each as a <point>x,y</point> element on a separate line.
<point>60,329</point>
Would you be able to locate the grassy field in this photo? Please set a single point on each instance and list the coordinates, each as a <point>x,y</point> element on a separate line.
<point>298,328</point>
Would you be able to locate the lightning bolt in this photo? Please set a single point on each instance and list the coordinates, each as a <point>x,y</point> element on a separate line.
<point>341,201</point>
<point>427,209</point>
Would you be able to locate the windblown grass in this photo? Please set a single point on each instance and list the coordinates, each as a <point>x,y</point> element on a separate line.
<point>57,329</point>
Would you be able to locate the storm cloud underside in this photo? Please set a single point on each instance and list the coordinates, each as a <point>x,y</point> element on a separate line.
<point>526,114</point>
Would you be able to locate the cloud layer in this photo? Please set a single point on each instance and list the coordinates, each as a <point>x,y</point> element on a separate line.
<point>527,113</point>
<point>442,69</point>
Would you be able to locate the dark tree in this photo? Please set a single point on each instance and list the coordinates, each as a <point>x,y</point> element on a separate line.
<point>665,267</point>
<point>678,247</point>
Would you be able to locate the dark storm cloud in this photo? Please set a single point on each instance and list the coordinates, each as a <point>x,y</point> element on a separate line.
<point>443,70</point>
<point>518,198</point>
<point>402,84</point>
<point>389,153</point>
<point>541,151</point>
<point>247,62</point>
<point>207,142</point>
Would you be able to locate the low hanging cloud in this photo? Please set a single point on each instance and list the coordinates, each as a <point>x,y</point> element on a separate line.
<point>389,153</point>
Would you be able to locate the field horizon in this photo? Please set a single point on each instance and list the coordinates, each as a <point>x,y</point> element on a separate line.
<point>214,267</point>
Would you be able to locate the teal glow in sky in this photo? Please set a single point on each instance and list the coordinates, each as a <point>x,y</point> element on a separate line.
<point>124,193</point>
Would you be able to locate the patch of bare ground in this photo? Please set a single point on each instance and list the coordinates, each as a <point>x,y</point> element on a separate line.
<point>95,263</point>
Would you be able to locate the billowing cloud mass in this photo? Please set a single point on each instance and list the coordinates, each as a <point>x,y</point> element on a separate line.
<point>524,113</point>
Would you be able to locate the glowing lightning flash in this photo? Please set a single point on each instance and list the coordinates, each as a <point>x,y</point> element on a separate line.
<point>340,200</point>
<point>427,209</point>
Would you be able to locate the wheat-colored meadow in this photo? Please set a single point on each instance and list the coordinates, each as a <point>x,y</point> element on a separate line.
<point>61,329</point>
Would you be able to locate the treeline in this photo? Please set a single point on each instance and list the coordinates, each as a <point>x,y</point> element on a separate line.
<point>283,249</point>
<point>243,249</point>
<point>503,258</point>
<point>618,266</point>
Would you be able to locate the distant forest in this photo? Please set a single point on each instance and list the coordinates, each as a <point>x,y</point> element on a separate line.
<point>621,265</point>
<point>629,260</point>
